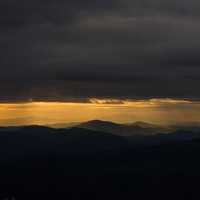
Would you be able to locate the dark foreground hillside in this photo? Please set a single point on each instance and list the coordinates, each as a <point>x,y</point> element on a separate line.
<point>43,163</point>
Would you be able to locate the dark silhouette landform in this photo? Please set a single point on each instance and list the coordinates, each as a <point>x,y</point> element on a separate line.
<point>94,160</point>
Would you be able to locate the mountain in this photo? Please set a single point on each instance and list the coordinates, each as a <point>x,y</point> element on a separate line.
<point>43,163</point>
<point>38,141</point>
<point>9,129</point>
<point>187,127</point>
<point>86,139</point>
<point>137,128</point>
<point>178,136</point>
<point>63,125</point>
<point>104,126</point>
<point>145,125</point>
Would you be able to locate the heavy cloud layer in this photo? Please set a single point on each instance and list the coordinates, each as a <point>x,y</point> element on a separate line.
<point>61,50</point>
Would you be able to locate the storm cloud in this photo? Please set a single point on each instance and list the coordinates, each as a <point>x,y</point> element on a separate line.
<point>63,50</point>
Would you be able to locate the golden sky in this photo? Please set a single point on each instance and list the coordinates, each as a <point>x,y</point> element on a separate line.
<point>164,111</point>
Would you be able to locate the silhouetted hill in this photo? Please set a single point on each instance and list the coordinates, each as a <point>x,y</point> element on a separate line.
<point>159,139</point>
<point>137,128</point>
<point>104,126</point>
<point>145,125</point>
<point>63,125</point>
<point>40,140</point>
<point>187,128</point>
<point>44,163</point>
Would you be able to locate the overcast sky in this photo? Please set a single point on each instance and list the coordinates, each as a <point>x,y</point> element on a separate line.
<point>76,49</point>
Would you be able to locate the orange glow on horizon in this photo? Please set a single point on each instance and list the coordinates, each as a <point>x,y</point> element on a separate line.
<point>152,110</point>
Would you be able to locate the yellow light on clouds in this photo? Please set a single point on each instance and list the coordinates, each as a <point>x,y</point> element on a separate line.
<point>153,110</point>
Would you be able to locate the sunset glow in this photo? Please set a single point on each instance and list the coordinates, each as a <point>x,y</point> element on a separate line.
<point>46,113</point>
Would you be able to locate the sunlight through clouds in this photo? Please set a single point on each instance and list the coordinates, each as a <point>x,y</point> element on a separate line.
<point>124,111</point>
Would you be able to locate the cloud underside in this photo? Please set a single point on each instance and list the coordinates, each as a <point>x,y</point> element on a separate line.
<point>82,91</point>
<point>105,49</point>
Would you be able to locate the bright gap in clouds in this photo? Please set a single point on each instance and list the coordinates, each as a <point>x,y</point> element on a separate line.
<point>161,111</point>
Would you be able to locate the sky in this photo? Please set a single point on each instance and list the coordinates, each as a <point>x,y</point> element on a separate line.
<point>75,50</point>
<point>60,114</point>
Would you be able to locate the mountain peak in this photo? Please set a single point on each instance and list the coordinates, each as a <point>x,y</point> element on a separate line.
<point>144,124</point>
<point>98,122</point>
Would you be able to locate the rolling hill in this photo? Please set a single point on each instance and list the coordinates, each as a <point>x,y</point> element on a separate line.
<point>137,128</point>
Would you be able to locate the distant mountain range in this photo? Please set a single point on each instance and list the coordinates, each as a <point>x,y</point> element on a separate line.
<point>137,128</point>
<point>40,140</point>
<point>96,133</point>
<point>63,125</point>
<point>56,162</point>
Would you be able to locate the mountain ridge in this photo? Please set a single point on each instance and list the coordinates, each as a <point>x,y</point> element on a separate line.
<point>137,128</point>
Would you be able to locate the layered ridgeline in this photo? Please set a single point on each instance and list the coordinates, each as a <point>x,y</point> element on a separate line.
<point>94,138</point>
<point>128,129</point>
<point>38,162</point>
<point>39,141</point>
<point>97,133</point>
<point>137,128</point>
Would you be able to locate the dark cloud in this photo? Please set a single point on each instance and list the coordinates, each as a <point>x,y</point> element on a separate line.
<point>16,13</point>
<point>108,48</point>
<point>82,91</point>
